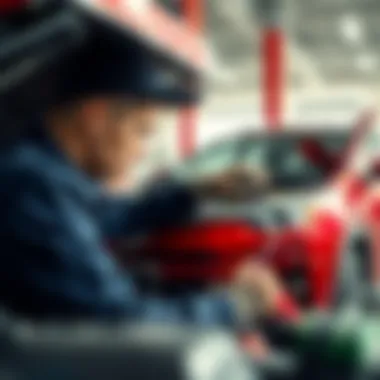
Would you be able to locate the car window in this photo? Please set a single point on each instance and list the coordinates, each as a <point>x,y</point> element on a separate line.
<point>289,166</point>
<point>281,157</point>
<point>254,152</point>
<point>211,161</point>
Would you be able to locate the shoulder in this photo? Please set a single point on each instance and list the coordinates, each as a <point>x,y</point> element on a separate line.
<point>29,165</point>
<point>23,162</point>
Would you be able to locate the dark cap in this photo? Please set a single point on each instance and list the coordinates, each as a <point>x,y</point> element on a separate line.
<point>64,53</point>
<point>111,65</point>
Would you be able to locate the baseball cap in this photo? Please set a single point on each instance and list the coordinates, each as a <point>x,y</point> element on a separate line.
<point>110,64</point>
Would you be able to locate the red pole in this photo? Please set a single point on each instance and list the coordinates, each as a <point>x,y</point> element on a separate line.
<point>193,12</point>
<point>187,134</point>
<point>273,77</point>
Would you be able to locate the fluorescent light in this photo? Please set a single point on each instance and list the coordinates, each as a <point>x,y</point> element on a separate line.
<point>366,62</point>
<point>351,28</point>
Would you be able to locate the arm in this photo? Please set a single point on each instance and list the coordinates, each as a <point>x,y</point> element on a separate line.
<point>55,261</point>
<point>165,205</point>
<point>170,204</point>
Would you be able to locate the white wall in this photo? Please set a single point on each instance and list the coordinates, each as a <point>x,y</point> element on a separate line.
<point>224,116</point>
<point>231,114</point>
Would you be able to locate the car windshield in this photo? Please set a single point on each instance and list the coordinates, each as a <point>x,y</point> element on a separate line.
<point>292,160</point>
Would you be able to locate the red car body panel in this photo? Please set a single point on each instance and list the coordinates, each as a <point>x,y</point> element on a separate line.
<point>203,251</point>
<point>211,251</point>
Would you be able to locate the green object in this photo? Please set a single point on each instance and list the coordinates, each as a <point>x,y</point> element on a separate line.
<point>345,339</point>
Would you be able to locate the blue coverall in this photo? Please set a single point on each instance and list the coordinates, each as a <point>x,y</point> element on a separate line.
<point>54,223</point>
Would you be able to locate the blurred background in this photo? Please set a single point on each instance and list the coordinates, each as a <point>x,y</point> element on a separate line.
<point>286,84</point>
<point>327,68</point>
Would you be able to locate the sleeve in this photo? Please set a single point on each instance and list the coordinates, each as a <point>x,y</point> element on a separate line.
<point>54,256</point>
<point>165,205</point>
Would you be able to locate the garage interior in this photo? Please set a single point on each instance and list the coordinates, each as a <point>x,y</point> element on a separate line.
<point>328,69</point>
<point>275,173</point>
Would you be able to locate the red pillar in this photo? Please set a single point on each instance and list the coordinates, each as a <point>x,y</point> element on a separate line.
<point>193,13</point>
<point>273,77</point>
<point>187,134</point>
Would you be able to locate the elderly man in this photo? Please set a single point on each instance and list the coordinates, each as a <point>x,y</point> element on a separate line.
<point>55,215</point>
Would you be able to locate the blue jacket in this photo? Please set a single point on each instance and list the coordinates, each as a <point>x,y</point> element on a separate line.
<point>54,222</point>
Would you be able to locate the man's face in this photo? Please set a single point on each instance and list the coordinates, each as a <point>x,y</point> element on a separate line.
<point>117,135</point>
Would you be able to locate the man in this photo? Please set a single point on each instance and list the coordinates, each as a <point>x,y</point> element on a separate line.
<point>55,217</point>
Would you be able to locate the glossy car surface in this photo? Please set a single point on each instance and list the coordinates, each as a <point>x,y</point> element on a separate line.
<point>325,190</point>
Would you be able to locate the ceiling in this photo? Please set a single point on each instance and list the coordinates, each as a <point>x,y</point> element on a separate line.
<point>329,42</point>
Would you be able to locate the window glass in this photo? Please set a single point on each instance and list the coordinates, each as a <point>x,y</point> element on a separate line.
<point>285,160</point>
<point>212,160</point>
<point>282,157</point>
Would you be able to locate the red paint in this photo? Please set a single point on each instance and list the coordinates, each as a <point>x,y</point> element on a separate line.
<point>194,13</point>
<point>211,251</point>
<point>324,254</point>
<point>273,77</point>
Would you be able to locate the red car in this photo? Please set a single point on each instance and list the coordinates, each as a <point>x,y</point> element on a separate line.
<point>314,227</point>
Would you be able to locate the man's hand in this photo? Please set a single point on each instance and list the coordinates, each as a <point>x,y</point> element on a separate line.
<point>258,288</point>
<point>259,293</point>
<point>236,183</point>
